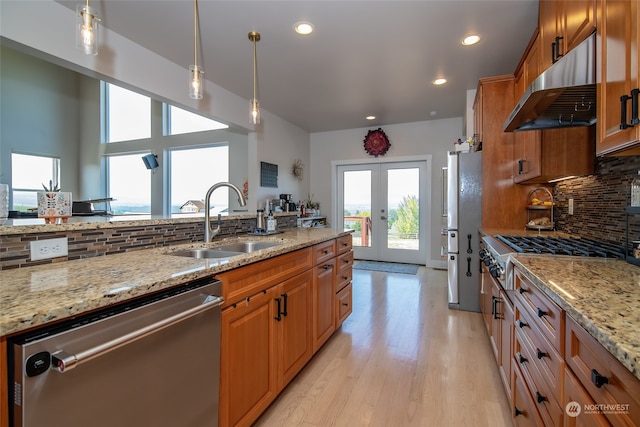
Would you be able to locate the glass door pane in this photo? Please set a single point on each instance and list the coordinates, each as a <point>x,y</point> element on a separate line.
<point>357,206</point>
<point>403,208</point>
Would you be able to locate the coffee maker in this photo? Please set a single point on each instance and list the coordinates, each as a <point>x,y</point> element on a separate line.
<point>286,203</point>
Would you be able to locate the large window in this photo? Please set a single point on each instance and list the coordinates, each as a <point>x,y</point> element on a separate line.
<point>193,171</point>
<point>28,175</point>
<point>183,121</point>
<point>128,114</point>
<point>129,184</point>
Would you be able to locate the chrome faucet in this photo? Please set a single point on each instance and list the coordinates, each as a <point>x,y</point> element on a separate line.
<point>210,232</point>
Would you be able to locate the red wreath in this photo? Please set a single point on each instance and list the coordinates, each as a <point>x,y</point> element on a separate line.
<point>376,143</point>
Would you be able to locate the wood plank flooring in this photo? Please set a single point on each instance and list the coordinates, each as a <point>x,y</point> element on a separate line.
<point>401,359</point>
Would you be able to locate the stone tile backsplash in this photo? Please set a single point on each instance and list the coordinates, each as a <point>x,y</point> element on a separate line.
<point>599,201</point>
<point>15,248</point>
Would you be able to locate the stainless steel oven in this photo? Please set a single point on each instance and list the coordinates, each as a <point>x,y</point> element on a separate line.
<point>153,362</point>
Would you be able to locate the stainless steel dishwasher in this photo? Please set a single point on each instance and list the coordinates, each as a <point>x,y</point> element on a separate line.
<point>152,362</point>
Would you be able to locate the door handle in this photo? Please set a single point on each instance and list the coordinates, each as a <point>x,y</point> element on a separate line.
<point>383,217</point>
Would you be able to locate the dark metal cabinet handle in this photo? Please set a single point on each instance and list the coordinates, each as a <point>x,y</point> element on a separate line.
<point>345,304</point>
<point>328,266</point>
<point>521,358</point>
<point>553,53</point>
<point>597,379</point>
<point>635,94</point>
<point>469,250</point>
<point>540,398</point>
<point>623,112</point>
<point>555,47</point>
<point>521,166</point>
<point>494,309</point>
<point>284,297</point>
<point>468,266</point>
<point>521,324</point>
<point>522,290</point>
<point>278,317</point>
<point>517,412</point>
<point>540,312</point>
<point>540,354</point>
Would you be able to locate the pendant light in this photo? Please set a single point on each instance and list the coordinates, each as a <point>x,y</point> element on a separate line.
<point>195,71</point>
<point>254,103</point>
<point>87,29</point>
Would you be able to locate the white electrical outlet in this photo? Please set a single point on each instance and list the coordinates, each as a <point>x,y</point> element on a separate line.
<point>570,206</point>
<point>51,248</point>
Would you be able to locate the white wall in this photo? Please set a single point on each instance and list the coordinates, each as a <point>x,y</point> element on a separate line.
<point>434,137</point>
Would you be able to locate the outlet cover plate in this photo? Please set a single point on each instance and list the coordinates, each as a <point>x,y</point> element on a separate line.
<point>50,248</point>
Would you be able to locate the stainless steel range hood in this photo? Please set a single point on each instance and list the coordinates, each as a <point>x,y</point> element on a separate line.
<point>563,95</point>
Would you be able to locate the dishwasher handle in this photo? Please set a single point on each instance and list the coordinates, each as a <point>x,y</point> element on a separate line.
<point>62,361</point>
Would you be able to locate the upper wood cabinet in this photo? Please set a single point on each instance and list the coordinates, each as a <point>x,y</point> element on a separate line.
<point>563,25</point>
<point>618,77</point>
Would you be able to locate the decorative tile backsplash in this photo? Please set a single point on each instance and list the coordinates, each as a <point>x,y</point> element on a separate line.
<point>599,201</point>
<point>15,248</point>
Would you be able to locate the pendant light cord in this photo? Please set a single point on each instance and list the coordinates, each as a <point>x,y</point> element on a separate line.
<point>255,68</point>
<point>195,33</point>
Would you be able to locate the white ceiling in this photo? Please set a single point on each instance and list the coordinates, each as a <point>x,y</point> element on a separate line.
<point>364,58</point>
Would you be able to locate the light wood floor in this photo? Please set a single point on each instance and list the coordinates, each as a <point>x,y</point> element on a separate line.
<point>401,359</point>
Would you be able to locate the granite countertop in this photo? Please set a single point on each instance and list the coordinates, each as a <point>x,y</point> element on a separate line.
<point>601,295</point>
<point>33,296</point>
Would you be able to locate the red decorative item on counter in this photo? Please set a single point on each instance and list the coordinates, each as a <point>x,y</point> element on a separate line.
<point>376,142</point>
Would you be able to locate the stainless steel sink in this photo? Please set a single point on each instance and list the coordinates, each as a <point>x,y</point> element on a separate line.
<point>225,251</point>
<point>206,253</point>
<point>246,247</point>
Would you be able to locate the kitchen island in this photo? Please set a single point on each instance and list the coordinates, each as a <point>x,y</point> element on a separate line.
<point>34,296</point>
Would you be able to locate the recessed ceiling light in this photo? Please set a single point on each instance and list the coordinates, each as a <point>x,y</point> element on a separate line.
<point>303,28</point>
<point>472,39</point>
<point>439,82</point>
<point>433,113</point>
<point>371,117</point>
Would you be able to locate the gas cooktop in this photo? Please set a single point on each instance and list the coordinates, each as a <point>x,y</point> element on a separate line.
<point>576,246</point>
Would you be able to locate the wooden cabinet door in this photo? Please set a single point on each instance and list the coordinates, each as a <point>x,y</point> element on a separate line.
<point>550,28</point>
<point>248,364</point>
<point>495,319</point>
<point>485,298</point>
<point>344,300</point>
<point>574,399</point>
<point>618,38</point>
<point>295,338</point>
<point>524,408</point>
<point>323,302</point>
<point>578,21</point>
<point>570,20</point>
<point>506,341</point>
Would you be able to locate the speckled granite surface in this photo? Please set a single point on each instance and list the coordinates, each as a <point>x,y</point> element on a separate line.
<point>601,295</point>
<point>33,296</point>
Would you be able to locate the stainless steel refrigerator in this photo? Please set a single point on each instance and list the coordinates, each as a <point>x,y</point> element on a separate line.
<point>464,216</point>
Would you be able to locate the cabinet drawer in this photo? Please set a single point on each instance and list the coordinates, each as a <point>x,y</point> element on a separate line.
<point>344,304</point>
<point>344,243</point>
<point>544,356</point>
<point>545,313</point>
<point>524,409</point>
<point>343,278</point>
<point>603,376</point>
<point>243,282</point>
<point>345,261</point>
<point>574,392</point>
<point>541,393</point>
<point>324,251</point>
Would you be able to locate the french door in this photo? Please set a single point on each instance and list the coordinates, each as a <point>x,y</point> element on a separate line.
<point>386,206</point>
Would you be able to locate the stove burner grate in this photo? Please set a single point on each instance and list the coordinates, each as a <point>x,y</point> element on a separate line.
<point>562,246</point>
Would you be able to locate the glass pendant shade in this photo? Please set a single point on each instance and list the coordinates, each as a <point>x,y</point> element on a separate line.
<point>87,29</point>
<point>195,81</point>
<point>255,111</point>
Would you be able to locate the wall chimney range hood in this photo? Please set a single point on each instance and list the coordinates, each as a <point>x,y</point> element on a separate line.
<point>564,95</point>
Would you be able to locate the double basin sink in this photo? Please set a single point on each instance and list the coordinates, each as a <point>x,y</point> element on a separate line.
<point>225,251</point>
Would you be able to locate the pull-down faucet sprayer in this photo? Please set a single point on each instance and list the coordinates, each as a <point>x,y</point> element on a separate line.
<point>209,231</point>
